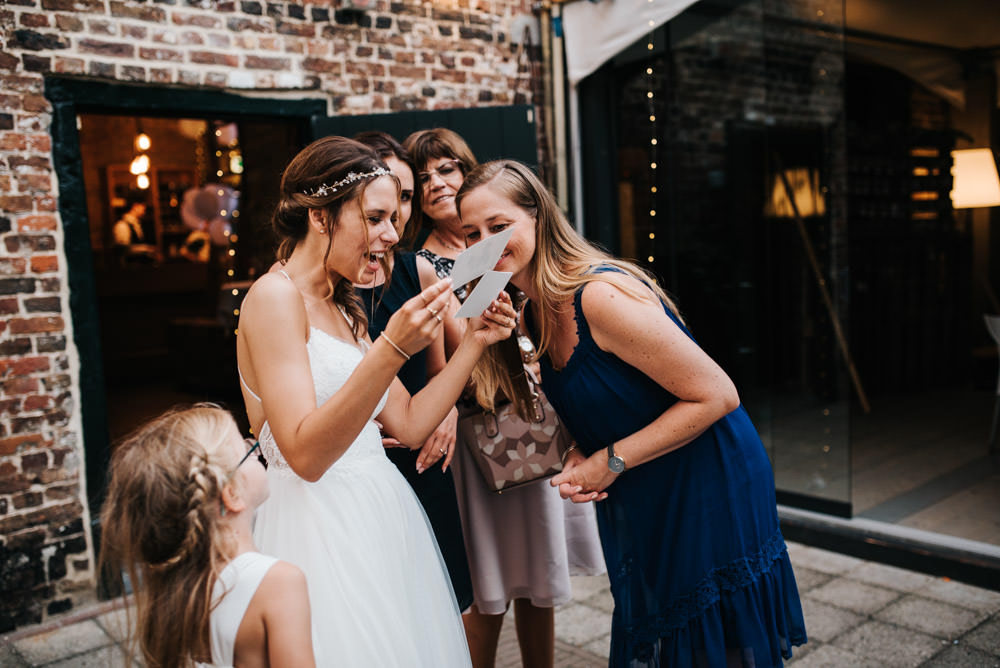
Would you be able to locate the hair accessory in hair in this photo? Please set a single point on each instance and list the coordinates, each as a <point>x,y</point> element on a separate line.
<point>324,190</point>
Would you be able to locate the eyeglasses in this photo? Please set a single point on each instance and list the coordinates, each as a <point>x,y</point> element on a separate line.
<point>254,445</point>
<point>446,170</point>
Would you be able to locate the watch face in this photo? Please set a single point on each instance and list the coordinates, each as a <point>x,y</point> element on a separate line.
<point>616,464</point>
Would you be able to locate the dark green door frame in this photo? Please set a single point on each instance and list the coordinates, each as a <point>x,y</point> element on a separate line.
<point>70,97</point>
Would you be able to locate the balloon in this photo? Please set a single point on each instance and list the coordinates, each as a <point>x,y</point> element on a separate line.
<point>210,207</point>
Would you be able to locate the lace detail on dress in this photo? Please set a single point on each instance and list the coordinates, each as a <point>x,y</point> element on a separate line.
<point>729,578</point>
<point>331,361</point>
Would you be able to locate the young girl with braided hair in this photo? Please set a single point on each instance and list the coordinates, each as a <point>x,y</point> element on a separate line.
<point>177,519</point>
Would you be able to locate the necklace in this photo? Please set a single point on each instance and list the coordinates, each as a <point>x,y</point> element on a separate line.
<point>445,243</point>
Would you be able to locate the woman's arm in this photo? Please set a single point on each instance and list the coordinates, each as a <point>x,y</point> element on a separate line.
<point>640,333</point>
<point>436,357</point>
<point>412,419</point>
<point>287,617</point>
<point>274,326</point>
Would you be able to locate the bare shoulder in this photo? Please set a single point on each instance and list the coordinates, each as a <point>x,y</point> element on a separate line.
<point>272,296</point>
<point>613,302</point>
<point>284,577</point>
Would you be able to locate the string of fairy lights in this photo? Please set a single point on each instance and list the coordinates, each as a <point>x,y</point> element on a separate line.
<point>653,143</point>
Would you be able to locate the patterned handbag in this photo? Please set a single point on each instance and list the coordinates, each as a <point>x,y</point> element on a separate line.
<point>510,451</point>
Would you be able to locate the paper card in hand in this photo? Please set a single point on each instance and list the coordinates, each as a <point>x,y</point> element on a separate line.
<point>486,291</point>
<point>478,259</point>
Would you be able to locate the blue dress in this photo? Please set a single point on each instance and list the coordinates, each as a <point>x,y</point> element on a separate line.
<point>435,489</point>
<point>697,563</point>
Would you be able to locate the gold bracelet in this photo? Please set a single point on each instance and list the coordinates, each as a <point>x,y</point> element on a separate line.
<point>398,349</point>
<point>571,448</point>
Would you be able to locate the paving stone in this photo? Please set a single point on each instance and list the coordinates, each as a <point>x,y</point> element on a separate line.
<point>827,562</point>
<point>115,623</point>
<point>852,595</point>
<point>962,657</point>
<point>600,647</point>
<point>985,637</point>
<point>9,658</point>
<point>578,624</point>
<point>585,586</point>
<point>889,576</point>
<point>602,600</point>
<point>932,617</point>
<point>797,552</point>
<point>807,578</point>
<point>826,622</point>
<point>106,657</point>
<point>62,642</point>
<point>888,645</point>
<point>800,651</point>
<point>966,596</point>
<point>829,656</point>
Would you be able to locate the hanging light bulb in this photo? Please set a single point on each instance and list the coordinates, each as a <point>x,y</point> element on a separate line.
<point>140,165</point>
<point>142,181</point>
<point>142,142</point>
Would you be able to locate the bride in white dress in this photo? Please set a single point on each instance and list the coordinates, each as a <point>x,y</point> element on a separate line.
<point>314,385</point>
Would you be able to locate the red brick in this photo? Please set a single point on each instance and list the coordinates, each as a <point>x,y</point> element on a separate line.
<point>40,143</point>
<point>14,203</point>
<point>37,402</point>
<point>9,446</point>
<point>40,324</point>
<point>35,20</point>
<point>42,264</point>
<point>259,63</point>
<point>12,265</point>
<point>9,407</point>
<point>160,54</point>
<point>34,182</point>
<point>69,66</point>
<point>13,141</point>
<point>29,365</point>
<point>408,72</point>
<point>35,103</point>
<point>45,202</point>
<point>212,58</point>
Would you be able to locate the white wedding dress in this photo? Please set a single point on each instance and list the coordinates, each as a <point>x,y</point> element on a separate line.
<point>378,589</point>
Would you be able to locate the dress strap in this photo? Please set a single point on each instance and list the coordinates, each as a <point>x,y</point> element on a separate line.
<point>285,274</point>
<point>244,383</point>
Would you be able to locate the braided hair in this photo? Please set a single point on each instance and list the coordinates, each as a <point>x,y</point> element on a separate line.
<point>159,526</point>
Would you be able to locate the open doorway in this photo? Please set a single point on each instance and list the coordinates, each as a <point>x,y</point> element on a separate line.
<point>177,211</point>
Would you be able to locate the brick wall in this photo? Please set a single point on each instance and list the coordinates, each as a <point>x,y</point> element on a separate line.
<point>396,56</point>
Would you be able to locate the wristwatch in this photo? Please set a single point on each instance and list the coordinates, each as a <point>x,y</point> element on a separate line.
<point>615,463</point>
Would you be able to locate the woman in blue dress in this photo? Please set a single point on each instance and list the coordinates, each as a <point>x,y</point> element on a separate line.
<point>688,520</point>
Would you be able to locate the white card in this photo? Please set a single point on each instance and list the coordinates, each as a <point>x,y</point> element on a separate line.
<point>478,259</point>
<point>486,291</point>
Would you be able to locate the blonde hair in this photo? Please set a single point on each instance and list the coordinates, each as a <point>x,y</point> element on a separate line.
<point>562,264</point>
<point>159,526</point>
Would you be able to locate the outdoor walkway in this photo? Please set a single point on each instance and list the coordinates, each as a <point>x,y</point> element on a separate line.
<point>859,614</point>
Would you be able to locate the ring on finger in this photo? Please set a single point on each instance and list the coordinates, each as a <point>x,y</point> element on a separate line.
<point>432,312</point>
<point>437,317</point>
<point>443,451</point>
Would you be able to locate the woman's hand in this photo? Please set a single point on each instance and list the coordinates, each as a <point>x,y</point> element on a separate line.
<point>496,323</point>
<point>441,444</point>
<point>584,479</point>
<point>416,324</point>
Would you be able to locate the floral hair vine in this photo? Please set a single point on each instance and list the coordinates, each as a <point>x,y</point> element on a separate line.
<point>324,190</point>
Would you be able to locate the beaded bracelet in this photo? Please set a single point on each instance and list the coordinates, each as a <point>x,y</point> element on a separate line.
<point>398,349</point>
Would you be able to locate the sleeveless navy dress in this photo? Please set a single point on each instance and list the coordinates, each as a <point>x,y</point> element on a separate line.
<point>697,563</point>
<point>435,489</point>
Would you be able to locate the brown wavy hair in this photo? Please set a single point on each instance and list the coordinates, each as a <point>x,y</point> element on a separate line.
<point>424,146</point>
<point>159,527</point>
<point>561,265</point>
<point>326,161</point>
